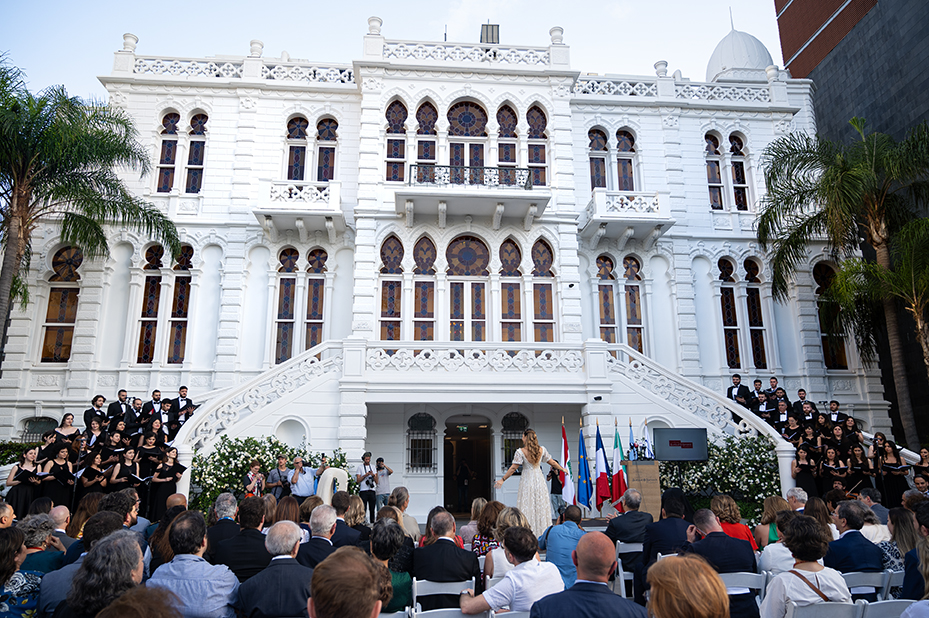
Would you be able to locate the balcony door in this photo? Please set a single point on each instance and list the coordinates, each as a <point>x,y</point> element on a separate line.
<point>468,310</point>
<point>467,163</point>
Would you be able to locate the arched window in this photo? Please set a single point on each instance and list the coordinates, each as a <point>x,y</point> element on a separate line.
<point>151,298</point>
<point>729,314</point>
<point>391,289</point>
<point>61,314</point>
<point>180,307</point>
<point>424,254</point>
<point>168,158</point>
<point>538,144</point>
<point>196,153</point>
<point>421,444</point>
<point>507,148</point>
<point>396,148</point>
<point>315,296</point>
<point>606,299</point>
<point>514,425</point>
<point>510,293</point>
<point>286,305</point>
<point>543,317</point>
<point>714,177</point>
<point>625,153</point>
<point>426,117</point>
<point>833,347</point>
<point>326,137</point>
<point>632,290</point>
<point>468,258</point>
<point>297,140</point>
<point>628,314</point>
<point>598,152</point>
<point>755,314</point>
<point>467,124</point>
<point>739,179</point>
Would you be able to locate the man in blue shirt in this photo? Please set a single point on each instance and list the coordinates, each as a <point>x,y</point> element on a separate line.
<point>302,483</point>
<point>560,540</point>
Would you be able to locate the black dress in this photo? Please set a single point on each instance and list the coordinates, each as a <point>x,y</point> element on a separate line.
<point>90,474</point>
<point>894,484</point>
<point>21,496</point>
<point>59,493</point>
<point>806,480</point>
<point>161,491</point>
<point>124,473</point>
<point>918,469</point>
<point>829,473</point>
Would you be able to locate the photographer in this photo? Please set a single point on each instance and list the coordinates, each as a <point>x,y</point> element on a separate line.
<point>278,482</point>
<point>254,480</point>
<point>302,483</point>
<point>383,483</point>
<point>367,478</point>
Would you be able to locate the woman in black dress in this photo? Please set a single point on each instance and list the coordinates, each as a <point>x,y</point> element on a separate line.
<point>95,434</point>
<point>111,449</point>
<point>804,471</point>
<point>121,477</point>
<point>78,452</point>
<point>860,470</point>
<point>823,425</point>
<point>853,433</point>
<point>149,456</point>
<point>832,468</point>
<point>792,432</point>
<point>894,472</point>
<point>66,430</point>
<point>23,490</point>
<point>93,478</point>
<point>923,466</point>
<point>874,454</point>
<point>157,431</point>
<point>57,486</point>
<point>809,441</point>
<point>164,482</point>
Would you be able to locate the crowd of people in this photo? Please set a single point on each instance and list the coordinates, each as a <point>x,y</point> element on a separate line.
<point>831,449</point>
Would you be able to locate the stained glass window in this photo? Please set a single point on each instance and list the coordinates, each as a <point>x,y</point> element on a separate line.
<point>296,157</point>
<point>283,348</point>
<point>169,123</point>
<point>325,167</point>
<point>625,142</point>
<point>536,119</point>
<point>730,327</point>
<point>739,181</point>
<point>597,140</point>
<point>426,117</point>
<point>833,342</point>
<point>510,311</point>
<point>195,154</point>
<point>544,315</point>
<point>714,177</point>
<point>735,145</point>
<point>604,268</point>
<point>506,153</point>
<point>316,261</point>
<point>326,130</point>
<point>296,128</point>
<point>756,328</point>
<point>625,147</point>
<point>712,144</point>
<point>151,299</point>
<point>597,161</point>
<point>607,309</point>
<point>316,288</point>
<point>180,307</point>
<point>424,254</point>
<point>633,309</point>
<point>65,263</point>
<point>288,259</point>
<point>467,256</point>
<point>726,269</point>
<point>165,173</point>
<point>507,121</point>
<point>61,313</point>
<point>467,119</point>
<point>391,255</point>
<point>542,259</point>
<point>396,117</point>
<point>751,271</point>
<point>510,258</point>
<point>396,157</point>
<point>424,311</point>
<point>391,304</point>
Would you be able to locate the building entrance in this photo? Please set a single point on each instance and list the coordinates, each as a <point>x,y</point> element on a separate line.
<point>468,462</point>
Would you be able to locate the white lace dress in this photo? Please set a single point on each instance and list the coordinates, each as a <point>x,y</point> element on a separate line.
<point>532,498</point>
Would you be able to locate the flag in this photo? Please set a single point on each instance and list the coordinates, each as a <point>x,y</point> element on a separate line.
<point>620,480</point>
<point>646,444</point>
<point>633,455</point>
<point>567,483</point>
<point>603,473</point>
<point>584,489</point>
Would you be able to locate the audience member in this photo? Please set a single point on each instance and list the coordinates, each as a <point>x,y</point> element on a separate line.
<point>346,584</point>
<point>852,552</point>
<point>444,561</point>
<point>61,517</point>
<point>18,588</point>
<point>730,519</point>
<point>283,588</point>
<point>590,596</point>
<point>112,566</point>
<point>796,499</point>
<point>470,529</point>
<point>159,544</point>
<point>872,529</point>
<point>142,602</point>
<point>914,583</point>
<point>245,553</point>
<point>86,509</point>
<point>912,498</point>
<point>40,506</point>
<point>355,519</point>
<point>225,508</point>
<point>39,531</point>
<point>776,558</point>
<point>288,509</point>
<point>203,589</point>
<point>319,547</point>
<point>766,532</point>
<point>402,562</point>
<point>668,534</point>
<point>560,541</point>
<point>387,538</point>
<point>269,502</point>
<point>484,541</point>
<point>7,515</point>
<point>686,586</point>
<point>817,509</point>
<point>903,537</point>
<point>872,499</point>
<point>306,510</point>
<point>629,527</point>
<point>496,564</point>
<point>400,498</point>
<point>343,535</point>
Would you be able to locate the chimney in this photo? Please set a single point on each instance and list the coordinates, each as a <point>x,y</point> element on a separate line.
<point>490,34</point>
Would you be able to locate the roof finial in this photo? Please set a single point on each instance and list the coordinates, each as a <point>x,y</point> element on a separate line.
<point>731,21</point>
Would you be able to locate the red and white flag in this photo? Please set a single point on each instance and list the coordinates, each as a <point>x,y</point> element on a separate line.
<point>567,483</point>
<point>620,482</point>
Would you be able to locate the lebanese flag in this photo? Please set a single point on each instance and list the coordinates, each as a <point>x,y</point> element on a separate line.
<point>603,473</point>
<point>620,483</point>
<point>567,484</point>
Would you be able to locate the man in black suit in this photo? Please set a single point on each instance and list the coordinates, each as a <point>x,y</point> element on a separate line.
<point>443,561</point>
<point>629,527</point>
<point>178,413</point>
<point>834,415</point>
<point>225,527</point>
<point>134,418</point>
<point>852,552</point>
<point>61,517</point>
<point>319,547</point>
<point>798,404</point>
<point>117,410</point>
<point>590,597</point>
<point>344,535</point>
<point>151,407</point>
<point>283,588</point>
<point>245,553</point>
<point>739,393</point>
<point>726,555</point>
<point>95,409</point>
<point>665,536</point>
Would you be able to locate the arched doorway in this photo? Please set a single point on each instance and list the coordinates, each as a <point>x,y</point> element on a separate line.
<point>467,448</point>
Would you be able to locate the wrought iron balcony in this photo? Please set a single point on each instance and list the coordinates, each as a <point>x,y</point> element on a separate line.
<point>440,175</point>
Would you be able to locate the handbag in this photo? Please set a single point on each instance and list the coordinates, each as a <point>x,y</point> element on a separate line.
<point>811,585</point>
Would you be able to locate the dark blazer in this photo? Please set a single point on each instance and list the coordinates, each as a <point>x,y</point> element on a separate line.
<point>740,391</point>
<point>344,534</point>
<point>629,528</point>
<point>913,582</point>
<point>89,415</point>
<point>852,553</point>
<point>583,600</point>
<point>443,561</point>
<point>881,511</point>
<point>115,410</point>
<point>798,408</point>
<point>314,551</point>
<point>665,536</point>
<point>65,539</point>
<point>729,555</point>
<point>280,590</point>
<point>216,534</point>
<point>245,554</point>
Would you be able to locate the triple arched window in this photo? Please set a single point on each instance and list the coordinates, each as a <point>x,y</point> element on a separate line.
<point>619,300</point>
<point>300,318</point>
<point>176,144</point>
<point>61,313</point>
<point>744,330</point>
<point>602,159</point>
<point>153,320</point>
<point>304,151</point>
<point>727,172</point>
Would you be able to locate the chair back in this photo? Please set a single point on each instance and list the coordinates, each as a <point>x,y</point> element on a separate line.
<point>446,613</point>
<point>876,579</point>
<point>425,588</point>
<point>886,609</point>
<point>826,610</point>
<point>622,576</point>
<point>509,615</point>
<point>481,560</point>
<point>755,582</point>
<point>895,580</point>
<point>403,613</point>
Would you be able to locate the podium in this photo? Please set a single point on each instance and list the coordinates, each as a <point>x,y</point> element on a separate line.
<point>643,476</point>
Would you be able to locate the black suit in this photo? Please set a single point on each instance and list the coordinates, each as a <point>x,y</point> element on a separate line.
<point>89,414</point>
<point>583,600</point>
<point>740,391</point>
<point>665,536</point>
<point>245,554</point>
<point>314,551</point>
<point>280,590</point>
<point>852,553</point>
<point>149,408</point>
<point>798,408</point>
<point>729,555</point>
<point>216,534</point>
<point>65,539</point>
<point>629,528</point>
<point>116,411</point>
<point>443,561</point>
<point>344,535</point>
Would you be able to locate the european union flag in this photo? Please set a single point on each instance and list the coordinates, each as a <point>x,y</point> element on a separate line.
<point>584,486</point>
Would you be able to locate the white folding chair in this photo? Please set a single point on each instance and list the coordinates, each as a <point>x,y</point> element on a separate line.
<point>753,581</point>
<point>467,546</point>
<point>401,614</point>
<point>886,609</point>
<point>876,579</point>
<point>895,580</point>
<point>446,613</point>
<point>622,576</point>
<point>480,561</point>
<point>425,588</point>
<point>826,610</point>
<point>493,581</point>
<point>509,615</point>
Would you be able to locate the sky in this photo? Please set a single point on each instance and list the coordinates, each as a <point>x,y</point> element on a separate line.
<point>71,43</point>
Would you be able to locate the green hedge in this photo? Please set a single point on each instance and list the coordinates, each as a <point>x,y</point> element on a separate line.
<point>10,451</point>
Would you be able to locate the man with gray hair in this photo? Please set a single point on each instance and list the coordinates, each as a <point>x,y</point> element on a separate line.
<point>444,561</point>
<point>61,517</point>
<point>796,499</point>
<point>283,587</point>
<point>629,527</point>
<point>322,527</point>
<point>226,508</point>
<point>872,499</point>
<point>852,552</point>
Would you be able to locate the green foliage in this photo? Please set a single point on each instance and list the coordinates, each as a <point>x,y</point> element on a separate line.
<point>744,468</point>
<point>10,451</point>
<point>223,469</point>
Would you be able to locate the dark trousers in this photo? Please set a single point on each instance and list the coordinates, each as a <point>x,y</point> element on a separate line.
<point>370,501</point>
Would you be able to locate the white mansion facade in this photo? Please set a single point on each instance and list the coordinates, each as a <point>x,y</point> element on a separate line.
<point>422,252</point>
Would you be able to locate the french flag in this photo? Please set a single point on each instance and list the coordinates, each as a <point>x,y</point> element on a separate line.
<point>603,473</point>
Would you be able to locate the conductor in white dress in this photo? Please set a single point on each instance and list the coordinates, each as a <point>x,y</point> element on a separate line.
<point>532,498</point>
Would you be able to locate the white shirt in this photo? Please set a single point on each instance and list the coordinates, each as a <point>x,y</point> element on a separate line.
<point>369,483</point>
<point>383,482</point>
<point>876,533</point>
<point>776,558</point>
<point>525,584</point>
<point>788,587</point>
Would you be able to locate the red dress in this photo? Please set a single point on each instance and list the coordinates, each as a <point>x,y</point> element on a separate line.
<point>739,531</point>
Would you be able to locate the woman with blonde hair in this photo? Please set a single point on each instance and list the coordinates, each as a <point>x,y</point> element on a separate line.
<point>766,532</point>
<point>686,586</point>
<point>533,496</point>
<point>730,518</point>
<point>270,509</point>
<point>470,529</point>
<point>496,564</point>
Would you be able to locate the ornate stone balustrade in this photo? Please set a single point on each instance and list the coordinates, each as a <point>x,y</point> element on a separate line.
<point>475,358</point>
<point>462,53</point>
<point>515,177</point>
<point>269,69</point>
<point>181,67</point>
<point>718,92</point>
<point>615,87</point>
<point>642,203</point>
<point>304,193</point>
<point>307,73</point>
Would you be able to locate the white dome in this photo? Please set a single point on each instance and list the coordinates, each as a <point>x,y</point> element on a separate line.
<point>737,50</point>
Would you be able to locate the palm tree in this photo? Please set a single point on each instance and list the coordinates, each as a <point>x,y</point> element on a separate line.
<point>59,161</point>
<point>819,190</point>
